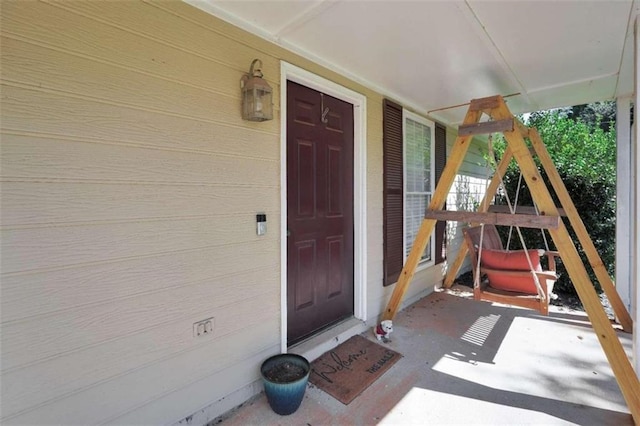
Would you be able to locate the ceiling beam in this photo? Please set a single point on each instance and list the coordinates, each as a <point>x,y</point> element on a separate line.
<point>315,9</point>
<point>481,30</point>
<point>627,47</point>
<point>571,83</point>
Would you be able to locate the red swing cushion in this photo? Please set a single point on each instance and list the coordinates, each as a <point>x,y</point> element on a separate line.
<point>512,261</point>
<point>515,260</point>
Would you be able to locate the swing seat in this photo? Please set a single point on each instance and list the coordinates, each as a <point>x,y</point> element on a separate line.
<point>509,275</point>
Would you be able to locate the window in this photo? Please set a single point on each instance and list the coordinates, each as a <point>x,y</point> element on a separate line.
<point>419,171</point>
<point>408,187</point>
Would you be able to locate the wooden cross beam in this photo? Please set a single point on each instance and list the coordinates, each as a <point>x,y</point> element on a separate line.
<point>503,208</point>
<point>504,219</point>
<point>486,127</point>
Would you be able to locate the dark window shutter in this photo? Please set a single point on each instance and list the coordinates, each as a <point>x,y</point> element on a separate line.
<point>393,210</point>
<point>393,185</point>
<point>440,160</point>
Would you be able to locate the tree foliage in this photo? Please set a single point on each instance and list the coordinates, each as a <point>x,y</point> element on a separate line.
<point>578,148</point>
<point>584,152</point>
<point>597,114</point>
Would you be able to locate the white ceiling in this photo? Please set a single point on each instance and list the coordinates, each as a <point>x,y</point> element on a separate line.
<point>433,54</point>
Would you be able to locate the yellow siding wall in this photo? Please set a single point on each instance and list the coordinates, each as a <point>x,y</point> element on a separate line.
<point>129,191</point>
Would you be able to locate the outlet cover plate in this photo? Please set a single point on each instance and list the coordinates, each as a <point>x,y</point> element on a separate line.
<point>204,327</point>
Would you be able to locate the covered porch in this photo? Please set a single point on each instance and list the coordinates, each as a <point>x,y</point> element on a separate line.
<point>471,362</point>
<point>569,53</point>
<point>538,55</point>
<point>131,188</point>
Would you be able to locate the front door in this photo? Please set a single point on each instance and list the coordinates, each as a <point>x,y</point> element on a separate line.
<point>319,211</point>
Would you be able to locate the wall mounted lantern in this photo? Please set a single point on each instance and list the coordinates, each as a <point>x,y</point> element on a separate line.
<point>257,95</point>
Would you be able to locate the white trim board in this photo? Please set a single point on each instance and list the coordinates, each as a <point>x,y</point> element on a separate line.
<point>624,219</point>
<point>634,206</point>
<point>406,114</point>
<point>298,75</point>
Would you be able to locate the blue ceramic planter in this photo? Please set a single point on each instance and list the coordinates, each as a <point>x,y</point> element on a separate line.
<point>285,393</point>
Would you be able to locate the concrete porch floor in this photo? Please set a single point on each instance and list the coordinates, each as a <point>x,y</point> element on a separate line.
<point>468,362</point>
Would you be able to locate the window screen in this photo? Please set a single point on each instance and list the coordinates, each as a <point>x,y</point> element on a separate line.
<point>418,178</point>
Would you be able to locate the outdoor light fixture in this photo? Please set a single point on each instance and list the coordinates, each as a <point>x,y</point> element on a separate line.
<point>257,95</point>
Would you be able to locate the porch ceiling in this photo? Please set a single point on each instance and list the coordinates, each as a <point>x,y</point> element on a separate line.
<point>433,54</point>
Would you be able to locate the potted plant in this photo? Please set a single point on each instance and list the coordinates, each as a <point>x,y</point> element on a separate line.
<point>285,378</point>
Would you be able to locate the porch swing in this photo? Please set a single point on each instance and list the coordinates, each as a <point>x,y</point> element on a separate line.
<point>505,276</point>
<point>548,217</point>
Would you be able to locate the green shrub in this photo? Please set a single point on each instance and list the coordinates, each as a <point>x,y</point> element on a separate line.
<point>585,156</point>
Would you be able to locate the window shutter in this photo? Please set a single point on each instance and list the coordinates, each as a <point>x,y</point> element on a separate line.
<point>440,160</point>
<point>392,191</point>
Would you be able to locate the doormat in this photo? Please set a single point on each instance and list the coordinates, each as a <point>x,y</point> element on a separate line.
<point>347,370</point>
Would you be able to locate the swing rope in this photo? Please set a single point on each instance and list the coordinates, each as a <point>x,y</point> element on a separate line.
<point>512,208</point>
<point>535,206</point>
<point>514,202</point>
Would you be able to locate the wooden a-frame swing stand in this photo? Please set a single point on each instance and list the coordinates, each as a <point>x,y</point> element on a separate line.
<point>501,120</point>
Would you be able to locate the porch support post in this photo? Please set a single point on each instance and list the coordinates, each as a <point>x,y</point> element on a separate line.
<point>624,220</point>
<point>635,200</point>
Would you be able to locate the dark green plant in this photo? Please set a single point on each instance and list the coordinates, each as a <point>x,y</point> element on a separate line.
<point>585,156</point>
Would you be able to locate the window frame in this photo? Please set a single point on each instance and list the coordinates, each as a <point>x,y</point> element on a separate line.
<point>408,115</point>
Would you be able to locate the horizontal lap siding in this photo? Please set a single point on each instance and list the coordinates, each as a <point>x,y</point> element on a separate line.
<point>129,191</point>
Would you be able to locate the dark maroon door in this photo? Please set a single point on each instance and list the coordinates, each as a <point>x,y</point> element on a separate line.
<point>319,211</point>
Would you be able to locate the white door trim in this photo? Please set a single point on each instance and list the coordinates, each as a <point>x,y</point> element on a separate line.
<point>359,101</point>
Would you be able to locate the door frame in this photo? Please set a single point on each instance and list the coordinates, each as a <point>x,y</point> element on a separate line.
<point>359,102</point>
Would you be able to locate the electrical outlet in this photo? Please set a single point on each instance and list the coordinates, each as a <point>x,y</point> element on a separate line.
<point>203,328</point>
